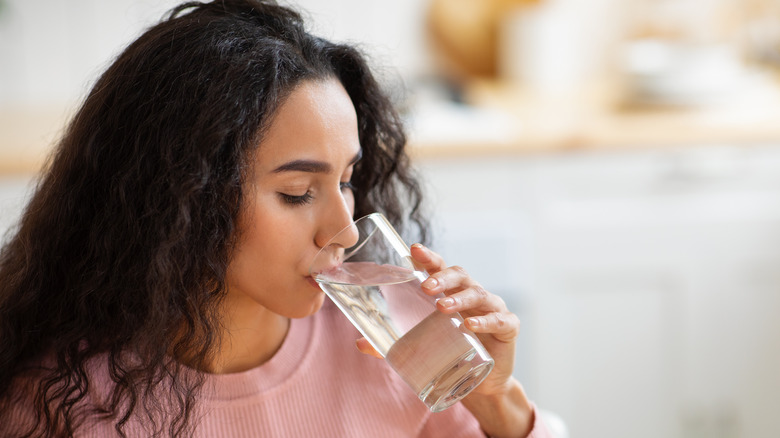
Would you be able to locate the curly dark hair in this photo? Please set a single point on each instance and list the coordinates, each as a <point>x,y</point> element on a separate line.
<point>124,245</point>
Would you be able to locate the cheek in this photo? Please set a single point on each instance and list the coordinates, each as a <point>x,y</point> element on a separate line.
<point>266,237</point>
<point>265,254</point>
<point>259,236</point>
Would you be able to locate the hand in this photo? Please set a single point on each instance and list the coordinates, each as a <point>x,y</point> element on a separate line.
<point>485,314</point>
<point>499,402</point>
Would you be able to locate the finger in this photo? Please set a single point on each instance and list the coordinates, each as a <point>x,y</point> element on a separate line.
<point>503,326</point>
<point>427,259</point>
<point>365,347</point>
<point>448,281</point>
<point>472,299</point>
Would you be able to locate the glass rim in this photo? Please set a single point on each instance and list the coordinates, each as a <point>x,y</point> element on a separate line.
<point>379,222</point>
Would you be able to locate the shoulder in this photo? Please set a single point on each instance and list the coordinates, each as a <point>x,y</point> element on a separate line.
<point>23,406</point>
<point>17,411</point>
<point>88,392</point>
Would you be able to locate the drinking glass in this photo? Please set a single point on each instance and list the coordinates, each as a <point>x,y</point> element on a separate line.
<point>376,285</point>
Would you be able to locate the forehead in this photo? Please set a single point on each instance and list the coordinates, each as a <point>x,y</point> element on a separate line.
<point>317,121</point>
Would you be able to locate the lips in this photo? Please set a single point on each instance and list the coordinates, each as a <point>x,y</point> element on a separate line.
<point>313,282</point>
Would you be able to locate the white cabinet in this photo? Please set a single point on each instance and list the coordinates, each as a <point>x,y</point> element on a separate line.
<point>648,282</point>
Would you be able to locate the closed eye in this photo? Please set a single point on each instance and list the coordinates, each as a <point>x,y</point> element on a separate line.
<point>297,200</point>
<point>347,186</point>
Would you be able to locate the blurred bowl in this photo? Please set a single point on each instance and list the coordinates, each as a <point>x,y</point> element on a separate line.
<point>677,73</point>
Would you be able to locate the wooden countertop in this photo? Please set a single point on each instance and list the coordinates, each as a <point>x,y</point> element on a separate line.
<point>588,120</point>
<point>599,119</point>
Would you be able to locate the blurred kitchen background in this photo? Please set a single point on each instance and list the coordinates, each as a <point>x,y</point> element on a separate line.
<point>610,167</point>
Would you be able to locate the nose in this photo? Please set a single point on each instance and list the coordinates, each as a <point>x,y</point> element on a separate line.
<point>337,226</point>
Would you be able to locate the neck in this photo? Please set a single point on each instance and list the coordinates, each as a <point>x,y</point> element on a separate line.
<point>251,335</point>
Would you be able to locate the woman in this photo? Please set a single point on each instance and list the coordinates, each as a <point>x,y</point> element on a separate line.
<point>158,284</point>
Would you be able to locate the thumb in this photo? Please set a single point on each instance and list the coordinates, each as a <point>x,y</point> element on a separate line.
<point>366,348</point>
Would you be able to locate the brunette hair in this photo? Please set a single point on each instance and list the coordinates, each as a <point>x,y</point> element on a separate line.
<point>125,244</point>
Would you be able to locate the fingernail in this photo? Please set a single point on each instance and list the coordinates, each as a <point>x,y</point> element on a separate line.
<point>447,302</point>
<point>430,284</point>
<point>417,245</point>
<point>474,322</point>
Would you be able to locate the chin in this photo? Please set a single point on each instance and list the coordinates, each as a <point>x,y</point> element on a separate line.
<point>309,308</point>
<point>318,303</point>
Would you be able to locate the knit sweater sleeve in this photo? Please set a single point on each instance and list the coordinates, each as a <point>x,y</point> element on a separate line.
<point>458,422</point>
<point>455,422</point>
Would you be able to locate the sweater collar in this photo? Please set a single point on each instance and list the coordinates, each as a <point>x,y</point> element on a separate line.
<point>291,357</point>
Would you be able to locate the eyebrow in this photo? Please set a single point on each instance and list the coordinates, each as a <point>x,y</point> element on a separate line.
<point>312,166</point>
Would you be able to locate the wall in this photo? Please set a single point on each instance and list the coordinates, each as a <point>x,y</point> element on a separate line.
<point>52,50</point>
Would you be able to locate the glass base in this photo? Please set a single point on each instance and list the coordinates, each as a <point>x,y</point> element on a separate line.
<point>448,388</point>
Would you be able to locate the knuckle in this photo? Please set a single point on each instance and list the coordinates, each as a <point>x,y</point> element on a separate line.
<point>481,292</point>
<point>459,270</point>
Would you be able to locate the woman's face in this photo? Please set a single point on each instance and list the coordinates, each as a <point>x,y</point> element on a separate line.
<point>297,198</point>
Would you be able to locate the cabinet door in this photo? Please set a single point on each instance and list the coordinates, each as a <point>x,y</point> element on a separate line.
<point>606,357</point>
<point>645,282</point>
<point>667,256</point>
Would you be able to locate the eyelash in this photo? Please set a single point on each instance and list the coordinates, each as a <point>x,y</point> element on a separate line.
<point>307,197</point>
<point>297,200</point>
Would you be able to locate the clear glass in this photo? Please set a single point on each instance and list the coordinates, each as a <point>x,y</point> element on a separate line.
<point>367,270</point>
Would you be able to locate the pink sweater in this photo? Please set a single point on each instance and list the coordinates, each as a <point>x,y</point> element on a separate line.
<point>318,385</point>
